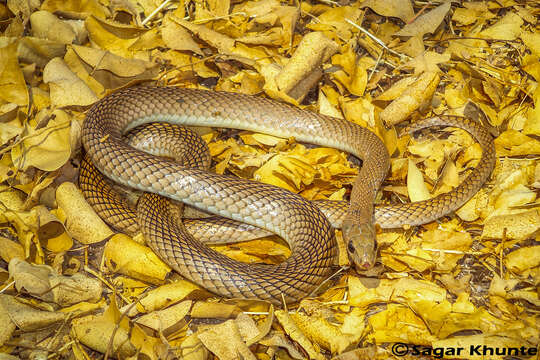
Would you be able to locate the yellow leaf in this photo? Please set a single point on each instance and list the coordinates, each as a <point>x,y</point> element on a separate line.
<point>144,343</point>
<point>120,66</point>
<point>404,289</point>
<point>76,7</point>
<point>167,320</point>
<point>517,226</point>
<point>59,243</point>
<point>416,187</point>
<point>391,8</point>
<point>44,283</point>
<point>10,249</point>
<point>113,36</point>
<point>399,323</point>
<point>47,148</point>
<point>508,28</point>
<point>426,23</point>
<point>414,97</point>
<point>96,332</point>
<point>514,143</point>
<point>463,305</point>
<point>297,335</point>
<point>47,26</point>
<point>510,200</point>
<point>470,13</point>
<point>225,341</point>
<point>523,259</point>
<point>206,309</point>
<point>168,294</point>
<point>127,257</point>
<point>303,70</point>
<point>286,171</point>
<point>532,41</point>
<point>177,37</point>
<point>9,130</point>
<point>82,221</point>
<point>532,123</point>
<point>12,84</point>
<point>67,89</point>
<point>332,22</point>
<point>428,62</point>
<point>396,89</point>
<point>323,333</point>
<point>193,349</point>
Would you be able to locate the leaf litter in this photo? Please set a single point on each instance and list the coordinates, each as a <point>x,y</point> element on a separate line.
<point>71,287</point>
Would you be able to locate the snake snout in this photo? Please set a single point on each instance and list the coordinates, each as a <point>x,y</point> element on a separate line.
<point>361,244</point>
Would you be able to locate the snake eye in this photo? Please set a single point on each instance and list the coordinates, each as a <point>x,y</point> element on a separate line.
<point>350,247</point>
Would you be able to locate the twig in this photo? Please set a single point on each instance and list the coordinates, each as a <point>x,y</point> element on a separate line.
<point>108,284</point>
<point>341,269</point>
<point>377,40</point>
<point>418,13</point>
<point>242,13</point>
<point>375,67</point>
<point>453,251</point>
<point>330,2</point>
<point>7,286</point>
<point>255,312</point>
<point>110,346</point>
<point>153,13</point>
<point>477,38</point>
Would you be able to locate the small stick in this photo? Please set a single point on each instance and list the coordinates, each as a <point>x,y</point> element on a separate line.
<point>377,40</point>
<point>158,9</point>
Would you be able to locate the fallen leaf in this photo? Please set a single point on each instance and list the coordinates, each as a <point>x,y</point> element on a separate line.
<point>12,85</point>
<point>426,23</point>
<point>66,88</point>
<point>391,8</point>
<point>125,256</point>
<point>44,147</point>
<point>82,222</point>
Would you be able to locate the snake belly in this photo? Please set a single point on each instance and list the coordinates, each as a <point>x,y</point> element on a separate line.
<point>296,220</point>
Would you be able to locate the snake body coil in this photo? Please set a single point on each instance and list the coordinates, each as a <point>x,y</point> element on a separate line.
<point>298,221</point>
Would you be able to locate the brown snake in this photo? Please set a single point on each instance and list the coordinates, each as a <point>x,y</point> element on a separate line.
<point>298,221</point>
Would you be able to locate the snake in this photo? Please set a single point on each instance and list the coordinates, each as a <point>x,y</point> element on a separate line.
<point>300,222</point>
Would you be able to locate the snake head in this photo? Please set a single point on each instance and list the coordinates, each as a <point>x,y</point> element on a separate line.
<point>361,242</point>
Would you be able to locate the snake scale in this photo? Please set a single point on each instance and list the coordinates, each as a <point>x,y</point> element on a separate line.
<point>298,221</point>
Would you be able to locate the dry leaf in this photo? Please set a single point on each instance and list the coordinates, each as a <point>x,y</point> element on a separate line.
<point>225,341</point>
<point>96,332</point>
<point>45,147</point>
<point>414,97</point>
<point>82,222</point>
<point>168,320</point>
<point>416,186</point>
<point>66,88</point>
<point>515,226</point>
<point>303,70</point>
<point>76,8</point>
<point>27,317</point>
<point>12,85</point>
<point>523,259</point>
<point>395,8</point>
<point>125,256</point>
<point>42,282</point>
<point>508,28</point>
<point>177,37</point>
<point>168,294</point>
<point>297,335</point>
<point>47,26</point>
<point>426,23</point>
